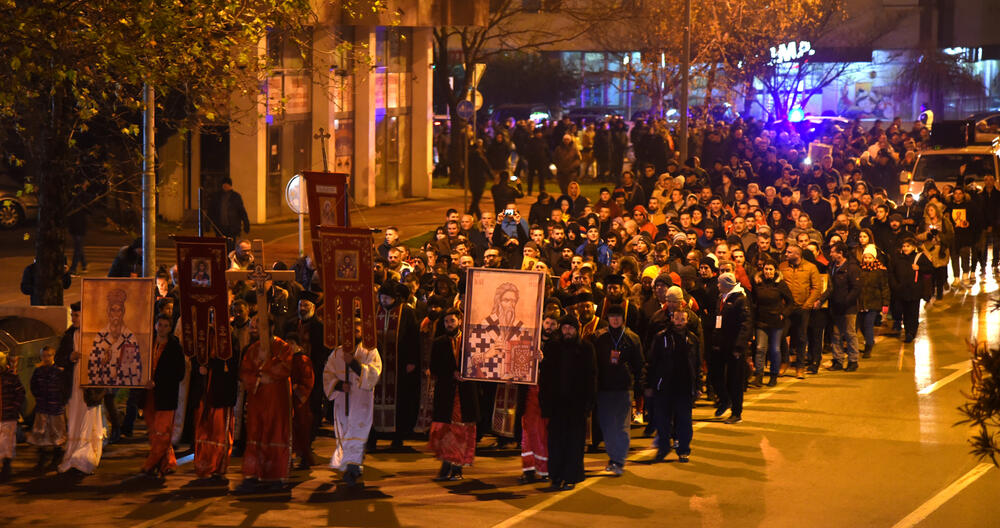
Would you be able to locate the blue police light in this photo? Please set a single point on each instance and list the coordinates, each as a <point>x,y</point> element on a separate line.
<point>796,114</point>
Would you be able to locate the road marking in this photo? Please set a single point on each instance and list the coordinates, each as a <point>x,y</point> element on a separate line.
<point>525,514</point>
<point>963,368</point>
<point>943,496</point>
<point>556,497</point>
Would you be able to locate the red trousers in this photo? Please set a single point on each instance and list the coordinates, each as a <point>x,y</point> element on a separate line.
<point>213,440</point>
<point>159,425</point>
<point>302,424</point>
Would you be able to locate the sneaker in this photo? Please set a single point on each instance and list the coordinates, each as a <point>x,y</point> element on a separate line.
<point>683,459</point>
<point>719,411</point>
<point>617,469</point>
<point>813,369</point>
<point>734,419</point>
<point>851,366</point>
<point>836,365</point>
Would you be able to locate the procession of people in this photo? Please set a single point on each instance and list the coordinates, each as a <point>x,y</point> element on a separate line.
<point>678,284</point>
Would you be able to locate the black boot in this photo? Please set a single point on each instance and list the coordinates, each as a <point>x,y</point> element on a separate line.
<point>444,472</point>
<point>43,456</point>
<point>5,472</point>
<point>757,381</point>
<point>352,474</point>
<point>772,381</point>
<point>57,455</point>
<point>527,477</point>
<point>867,353</point>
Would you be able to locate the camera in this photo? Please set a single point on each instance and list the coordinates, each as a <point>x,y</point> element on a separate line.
<point>934,232</point>
<point>513,178</point>
<point>508,212</point>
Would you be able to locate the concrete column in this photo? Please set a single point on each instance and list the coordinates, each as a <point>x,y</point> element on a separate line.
<point>170,190</point>
<point>364,120</point>
<point>422,111</point>
<point>248,150</point>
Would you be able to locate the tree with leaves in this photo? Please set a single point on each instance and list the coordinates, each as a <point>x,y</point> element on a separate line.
<point>71,83</point>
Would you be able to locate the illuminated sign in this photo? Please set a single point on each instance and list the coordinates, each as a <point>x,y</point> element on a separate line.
<point>791,51</point>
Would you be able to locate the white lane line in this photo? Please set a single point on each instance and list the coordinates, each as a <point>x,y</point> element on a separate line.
<point>963,368</point>
<point>558,496</point>
<point>943,496</point>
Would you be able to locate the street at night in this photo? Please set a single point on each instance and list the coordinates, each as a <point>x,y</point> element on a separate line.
<point>499,263</point>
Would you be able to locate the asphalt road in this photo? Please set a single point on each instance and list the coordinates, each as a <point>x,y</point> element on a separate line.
<point>877,447</point>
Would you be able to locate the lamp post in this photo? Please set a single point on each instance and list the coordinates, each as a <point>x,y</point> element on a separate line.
<point>685,65</point>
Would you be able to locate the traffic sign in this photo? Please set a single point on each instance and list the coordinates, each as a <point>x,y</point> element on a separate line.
<point>478,99</point>
<point>465,109</point>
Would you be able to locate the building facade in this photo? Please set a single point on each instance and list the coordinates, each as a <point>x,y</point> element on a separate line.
<point>357,98</point>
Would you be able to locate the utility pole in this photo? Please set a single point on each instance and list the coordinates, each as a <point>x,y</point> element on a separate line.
<point>148,182</point>
<point>685,66</point>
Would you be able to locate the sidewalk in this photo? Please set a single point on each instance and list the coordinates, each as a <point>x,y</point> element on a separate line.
<point>413,216</point>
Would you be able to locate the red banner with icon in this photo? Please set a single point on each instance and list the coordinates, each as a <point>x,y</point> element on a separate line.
<point>204,309</point>
<point>326,196</point>
<point>347,263</point>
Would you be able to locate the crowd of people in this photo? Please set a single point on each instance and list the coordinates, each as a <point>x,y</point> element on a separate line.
<point>674,283</point>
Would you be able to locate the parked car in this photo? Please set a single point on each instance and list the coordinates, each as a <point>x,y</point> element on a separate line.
<point>985,127</point>
<point>955,166</point>
<point>16,205</point>
<point>536,112</point>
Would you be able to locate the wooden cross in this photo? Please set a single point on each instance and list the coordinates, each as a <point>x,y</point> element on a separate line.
<point>259,276</point>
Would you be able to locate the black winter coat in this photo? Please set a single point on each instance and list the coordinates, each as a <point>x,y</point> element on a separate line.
<point>567,379</point>
<point>662,361</point>
<point>627,370</point>
<point>443,369</point>
<point>168,375</point>
<point>773,301</point>
<point>907,284</point>
<point>845,287</point>
<point>736,326</point>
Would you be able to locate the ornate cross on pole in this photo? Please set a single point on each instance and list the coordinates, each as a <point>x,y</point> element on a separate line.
<point>322,136</point>
<point>259,276</point>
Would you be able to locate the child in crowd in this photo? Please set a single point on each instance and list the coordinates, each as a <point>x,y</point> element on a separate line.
<point>48,386</point>
<point>11,399</point>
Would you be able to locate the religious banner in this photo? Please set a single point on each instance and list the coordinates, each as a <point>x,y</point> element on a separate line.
<point>117,332</point>
<point>505,410</point>
<point>326,196</point>
<point>347,266</point>
<point>501,331</point>
<point>201,268</point>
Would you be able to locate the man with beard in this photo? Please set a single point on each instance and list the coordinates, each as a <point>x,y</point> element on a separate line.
<point>452,436</point>
<point>619,368</point>
<point>266,374</point>
<point>310,332</point>
<point>583,308</point>
<point>672,381</point>
<point>566,389</point>
<point>614,295</point>
<point>534,428</point>
<point>397,396</point>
